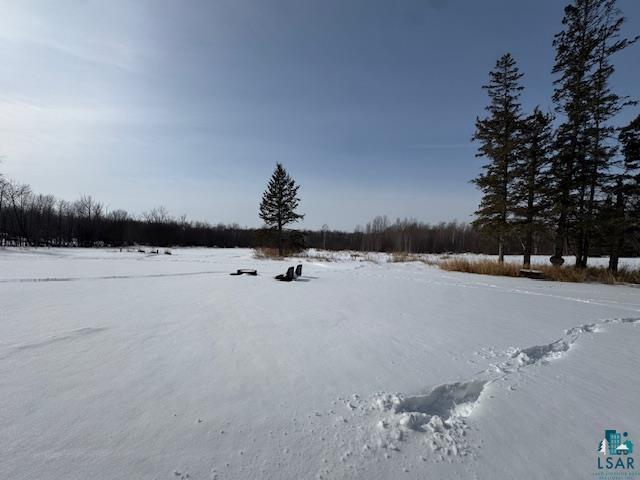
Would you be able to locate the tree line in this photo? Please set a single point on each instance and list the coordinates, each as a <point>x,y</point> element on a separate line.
<point>570,175</point>
<point>31,219</point>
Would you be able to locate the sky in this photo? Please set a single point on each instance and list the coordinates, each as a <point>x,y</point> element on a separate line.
<point>369,104</point>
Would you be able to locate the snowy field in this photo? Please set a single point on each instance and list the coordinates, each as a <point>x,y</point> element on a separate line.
<point>121,365</point>
<point>435,258</point>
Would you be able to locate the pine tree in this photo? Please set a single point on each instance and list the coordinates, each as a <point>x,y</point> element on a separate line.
<point>573,62</point>
<point>583,95</point>
<point>498,135</point>
<point>279,203</point>
<point>531,178</point>
<point>621,215</point>
<point>604,105</point>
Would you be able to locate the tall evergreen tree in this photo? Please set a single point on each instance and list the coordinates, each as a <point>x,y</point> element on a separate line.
<point>498,136</point>
<point>591,36</point>
<point>530,195</point>
<point>572,63</point>
<point>279,203</point>
<point>621,215</point>
<point>604,105</point>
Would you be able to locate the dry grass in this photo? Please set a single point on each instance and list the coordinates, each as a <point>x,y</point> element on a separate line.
<point>267,253</point>
<point>483,267</point>
<point>400,257</point>
<point>623,275</point>
<point>558,274</point>
<point>316,256</point>
<point>562,274</point>
<point>429,261</point>
<point>319,257</point>
<point>590,274</point>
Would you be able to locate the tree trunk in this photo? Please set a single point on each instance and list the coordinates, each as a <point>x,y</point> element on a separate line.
<point>501,249</point>
<point>615,254</point>
<point>561,232</point>
<point>528,247</point>
<point>618,239</point>
<point>280,249</point>
<point>579,252</point>
<point>559,241</point>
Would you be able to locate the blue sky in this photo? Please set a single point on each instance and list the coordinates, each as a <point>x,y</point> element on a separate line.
<point>369,104</point>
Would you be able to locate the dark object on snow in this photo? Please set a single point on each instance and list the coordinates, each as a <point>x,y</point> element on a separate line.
<point>286,278</point>
<point>141,251</point>
<point>529,273</point>
<point>155,252</point>
<point>299,270</point>
<point>167,252</point>
<point>556,260</point>
<point>248,271</point>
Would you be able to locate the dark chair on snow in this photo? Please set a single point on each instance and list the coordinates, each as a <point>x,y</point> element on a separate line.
<point>248,271</point>
<point>289,276</point>
<point>299,271</point>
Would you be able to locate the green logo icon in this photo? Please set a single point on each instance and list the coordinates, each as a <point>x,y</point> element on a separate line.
<point>615,444</point>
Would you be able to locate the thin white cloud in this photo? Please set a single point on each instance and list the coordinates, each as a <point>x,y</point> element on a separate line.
<point>75,30</point>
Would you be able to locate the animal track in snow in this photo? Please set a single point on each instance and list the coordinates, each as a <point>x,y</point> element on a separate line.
<point>444,400</point>
<point>537,353</point>
<point>437,415</point>
<point>440,415</point>
<point>544,353</point>
<point>585,328</point>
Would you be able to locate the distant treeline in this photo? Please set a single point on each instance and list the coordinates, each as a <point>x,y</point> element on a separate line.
<point>29,219</point>
<point>408,235</point>
<point>411,236</point>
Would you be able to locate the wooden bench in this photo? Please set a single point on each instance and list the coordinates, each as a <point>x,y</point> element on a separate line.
<point>529,273</point>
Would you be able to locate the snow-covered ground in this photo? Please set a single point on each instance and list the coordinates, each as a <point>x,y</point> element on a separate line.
<point>125,365</point>
<point>435,258</point>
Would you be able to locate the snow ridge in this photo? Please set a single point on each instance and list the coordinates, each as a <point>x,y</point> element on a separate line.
<point>67,336</point>
<point>109,277</point>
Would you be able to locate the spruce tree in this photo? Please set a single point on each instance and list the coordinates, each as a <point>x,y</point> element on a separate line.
<point>498,135</point>
<point>531,178</point>
<point>279,203</point>
<point>621,214</point>
<point>572,63</point>
<point>604,105</point>
<point>584,97</point>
